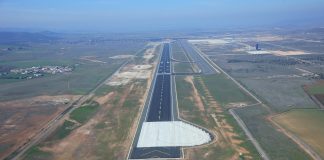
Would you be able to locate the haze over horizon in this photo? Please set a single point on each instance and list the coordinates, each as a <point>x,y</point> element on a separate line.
<point>145,15</point>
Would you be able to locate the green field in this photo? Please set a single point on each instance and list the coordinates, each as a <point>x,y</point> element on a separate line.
<point>63,130</point>
<point>65,51</point>
<point>224,90</point>
<point>182,67</point>
<point>276,144</point>
<point>80,81</point>
<point>307,124</point>
<point>178,53</point>
<point>105,89</point>
<point>85,112</point>
<point>317,88</point>
<point>34,153</point>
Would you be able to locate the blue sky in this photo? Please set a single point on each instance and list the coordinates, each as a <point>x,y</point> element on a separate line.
<point>153,15</point>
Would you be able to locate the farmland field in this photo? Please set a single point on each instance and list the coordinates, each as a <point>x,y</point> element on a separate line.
<point>307,124</point>
<point>276,144</point>
<point>317,88</point>
<point>280,94</point>
<point>316,91</point>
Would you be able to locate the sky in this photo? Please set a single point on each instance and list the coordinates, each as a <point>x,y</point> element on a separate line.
<point>156,15</point>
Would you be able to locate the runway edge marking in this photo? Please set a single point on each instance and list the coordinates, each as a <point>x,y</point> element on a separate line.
<point>143,107</point>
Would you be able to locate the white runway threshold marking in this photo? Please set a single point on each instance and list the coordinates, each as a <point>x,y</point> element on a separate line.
<point>171,134</point>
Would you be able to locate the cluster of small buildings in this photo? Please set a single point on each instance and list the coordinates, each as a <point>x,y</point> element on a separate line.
<point>38,71</point>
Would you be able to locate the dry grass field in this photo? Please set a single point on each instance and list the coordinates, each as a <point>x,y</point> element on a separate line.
<point>104,131</point>
<point>307,124</point>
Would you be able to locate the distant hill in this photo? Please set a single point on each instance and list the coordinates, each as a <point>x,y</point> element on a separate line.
<point>19,37</point>
<point>317,30</point>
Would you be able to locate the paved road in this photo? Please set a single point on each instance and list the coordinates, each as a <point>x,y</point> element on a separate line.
<point>202,63</point>
<point>187,73</point>
<point>249,135</point>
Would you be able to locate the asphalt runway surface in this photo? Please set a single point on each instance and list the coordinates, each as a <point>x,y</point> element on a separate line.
<point>164,66</point>
<point>200,61</point>
<point>160,105</point>
<point>159,109</point>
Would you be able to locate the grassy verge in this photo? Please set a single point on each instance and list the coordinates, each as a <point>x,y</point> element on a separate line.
<point>182,67</point>
<point>85,112</point>
<point>222,149</point>
<point>245,142</point>
<point>63,130</point>
<point>34,153</point>
<point>178,53</point>
<point>187,104</point>
<point>316,89</point>
<point>105,89</point>
<point>224,90</point>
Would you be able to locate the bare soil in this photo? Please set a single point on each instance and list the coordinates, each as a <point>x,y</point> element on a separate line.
<point>91,59</point>
<point>268,38</point>
<point>130,73</point>
<point>122,56</point>
<point>288,53</point>
<point>22,119</point>
<point>104,99</point>
<point>195,94</point>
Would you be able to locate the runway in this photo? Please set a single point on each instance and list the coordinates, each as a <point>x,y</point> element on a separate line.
<point>202,63</point>
<point>164,66</point>
<point>159,109</point>
<point>160,106</point>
